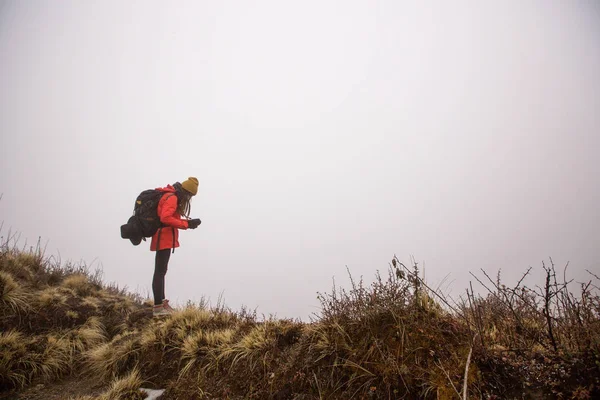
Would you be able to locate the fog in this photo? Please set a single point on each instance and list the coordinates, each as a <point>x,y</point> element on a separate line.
<point>324,135</point>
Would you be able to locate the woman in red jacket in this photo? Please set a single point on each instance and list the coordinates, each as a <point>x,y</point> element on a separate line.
<point>174,203</point>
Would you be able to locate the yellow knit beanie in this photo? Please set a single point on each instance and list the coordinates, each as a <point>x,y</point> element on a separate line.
<point>190,185</point>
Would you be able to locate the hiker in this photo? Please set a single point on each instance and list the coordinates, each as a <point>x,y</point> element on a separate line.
<point>174,203</point>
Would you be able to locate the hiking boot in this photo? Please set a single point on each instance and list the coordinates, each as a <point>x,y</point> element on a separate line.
<point>167,307</point>
<point>159,310</point>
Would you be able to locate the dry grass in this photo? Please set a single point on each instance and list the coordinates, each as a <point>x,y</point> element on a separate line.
<point>80,284</point>
<point>546,327</point>
<point>396,338</point>
<point>123,388</point>
<point>57,358</point>
<point>52,297</point>
<point>15,366</point>
<point>114,357</point>
<point>47,326</point>
<point>12,296</point>
<point>251,347</point>
<point>203,346</point>
<point>21,267</point>
<point>92,333</point>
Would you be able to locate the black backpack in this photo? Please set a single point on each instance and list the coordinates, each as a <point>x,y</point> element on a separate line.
<point>145,221</point>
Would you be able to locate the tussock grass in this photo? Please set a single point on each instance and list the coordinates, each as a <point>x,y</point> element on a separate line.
<point>51,316</point>
<point>12,296</point>
<point>251,347</point>
<point>80,284</point>
<point>46,357</point>
<point>127,388</point>
<point>90,334</point>
<point>51,298</point>
<point>114,357</point>
<point>203,346</point>
<point>21,267</point>
<point>121,388</point>
<point>57,358</point>
<point>394,338</point>
<point>15,365</point>
<point>92,301</point>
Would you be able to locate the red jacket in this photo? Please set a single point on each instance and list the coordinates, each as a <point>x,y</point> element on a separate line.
<point>167,212</point>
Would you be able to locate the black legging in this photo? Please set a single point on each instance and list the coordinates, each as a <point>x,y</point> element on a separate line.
<point>160,270</point>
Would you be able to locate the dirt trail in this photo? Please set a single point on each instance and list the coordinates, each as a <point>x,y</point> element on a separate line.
<point>69,387</point>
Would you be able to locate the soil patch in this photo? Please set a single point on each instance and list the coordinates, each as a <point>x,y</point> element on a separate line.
<point>70,387</point>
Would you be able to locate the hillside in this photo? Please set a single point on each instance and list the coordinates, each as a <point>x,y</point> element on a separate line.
<point>66,334</point>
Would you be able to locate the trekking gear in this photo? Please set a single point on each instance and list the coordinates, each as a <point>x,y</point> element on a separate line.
<point>145,211</point>
<point>167,236</point>
<point>159,310</point>
<point>193,223</point>
<point>129,231</point>
<point>190,185</point>
<point>167,307</point>
<point>145,221</point>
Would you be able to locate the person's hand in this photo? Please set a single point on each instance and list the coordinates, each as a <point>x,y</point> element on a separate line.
<point>193,223</point>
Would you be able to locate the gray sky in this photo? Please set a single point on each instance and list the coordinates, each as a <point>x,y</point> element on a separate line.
<point>324,134</point>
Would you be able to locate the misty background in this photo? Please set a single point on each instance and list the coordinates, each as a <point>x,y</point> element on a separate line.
<point>324,135</point>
